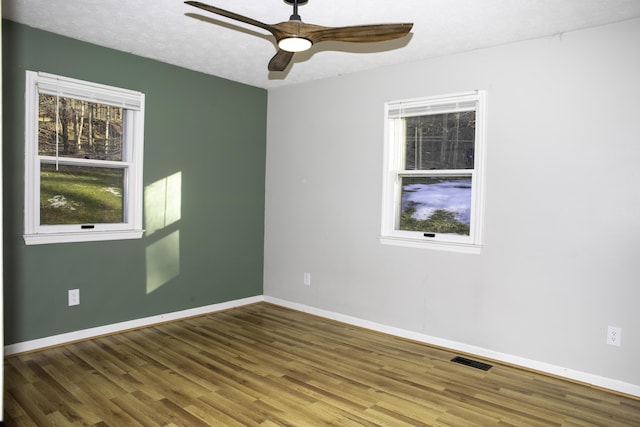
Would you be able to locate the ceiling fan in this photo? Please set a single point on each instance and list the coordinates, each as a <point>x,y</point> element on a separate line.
<point>296,36</point>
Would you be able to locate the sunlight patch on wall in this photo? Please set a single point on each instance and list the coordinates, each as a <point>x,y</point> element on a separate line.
<point>162,208</point>
<point>163,261</point>
<point>162,203</point>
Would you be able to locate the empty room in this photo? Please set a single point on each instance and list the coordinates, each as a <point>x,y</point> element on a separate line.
<point>308,213</point>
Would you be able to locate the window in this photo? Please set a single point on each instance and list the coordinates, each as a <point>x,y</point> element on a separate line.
<point>83,161</point>
<point>433,172</point>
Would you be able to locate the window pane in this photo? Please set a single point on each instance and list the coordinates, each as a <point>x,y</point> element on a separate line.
<point>440,141</point>
<point>80,195</point>
<point>436,204</point>
<point>84,129</point>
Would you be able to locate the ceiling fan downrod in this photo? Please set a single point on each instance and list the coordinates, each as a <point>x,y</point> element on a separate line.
<point>295,3</point>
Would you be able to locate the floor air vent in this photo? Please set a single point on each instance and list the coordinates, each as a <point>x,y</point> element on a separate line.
<point>472,363</point>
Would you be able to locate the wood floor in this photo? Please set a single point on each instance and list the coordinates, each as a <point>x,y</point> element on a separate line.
<point>263,365</point>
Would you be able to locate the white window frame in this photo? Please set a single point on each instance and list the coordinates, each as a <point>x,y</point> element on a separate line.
<point>394,170</point>
<point>132,103</point>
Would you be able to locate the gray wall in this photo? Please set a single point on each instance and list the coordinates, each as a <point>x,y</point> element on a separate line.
<point>562,238</point>
<point>209,130</point>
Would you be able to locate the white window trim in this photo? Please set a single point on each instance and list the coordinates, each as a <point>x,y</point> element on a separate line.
<point>133,103</point>
<point>393,157</point>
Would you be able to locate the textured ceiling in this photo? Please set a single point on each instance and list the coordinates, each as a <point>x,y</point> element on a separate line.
<point>173,32</point>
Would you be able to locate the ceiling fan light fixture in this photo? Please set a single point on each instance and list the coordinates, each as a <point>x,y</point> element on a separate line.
<point>294,44</point>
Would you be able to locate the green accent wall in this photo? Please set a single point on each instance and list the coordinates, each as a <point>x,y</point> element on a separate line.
<point>208,131</point>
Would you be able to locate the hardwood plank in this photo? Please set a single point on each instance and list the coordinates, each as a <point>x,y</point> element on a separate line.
<point>263,365</point>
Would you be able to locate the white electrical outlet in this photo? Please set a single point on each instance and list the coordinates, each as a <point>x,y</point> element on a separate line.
<point>307,279</point>
<point>614,336</point>
<point>74,296</point>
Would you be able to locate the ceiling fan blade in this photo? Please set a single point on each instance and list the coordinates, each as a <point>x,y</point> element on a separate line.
<point>289,28</point>
<point>280,60</point>
<point>235,16</point>
<point>360,33</point>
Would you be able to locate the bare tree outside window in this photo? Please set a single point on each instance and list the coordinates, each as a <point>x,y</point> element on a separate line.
<point>75,128</point>
<point>438,204</point>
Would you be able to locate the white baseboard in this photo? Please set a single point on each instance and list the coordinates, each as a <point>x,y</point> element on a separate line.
<point>583,377</point>
<point>124,326</point>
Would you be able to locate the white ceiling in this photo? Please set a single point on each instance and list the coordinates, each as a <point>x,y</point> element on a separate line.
<point>173,32</point>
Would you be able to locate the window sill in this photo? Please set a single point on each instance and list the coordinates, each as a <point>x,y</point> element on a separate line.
<point>95,236</point>
<point>467,248</point>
